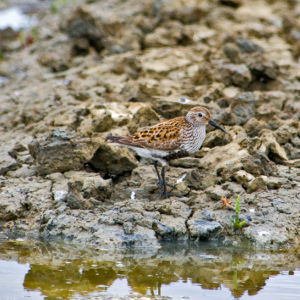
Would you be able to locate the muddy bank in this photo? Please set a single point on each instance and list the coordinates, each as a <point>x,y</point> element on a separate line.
<point>102,67</point>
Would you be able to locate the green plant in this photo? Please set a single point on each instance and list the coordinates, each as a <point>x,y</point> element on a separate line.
<point>56,5</point>
<point>236,222</point>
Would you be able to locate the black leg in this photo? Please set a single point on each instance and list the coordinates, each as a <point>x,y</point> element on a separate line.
<point>165,193</point>
<point>160,181</point>
<point>156,170</point>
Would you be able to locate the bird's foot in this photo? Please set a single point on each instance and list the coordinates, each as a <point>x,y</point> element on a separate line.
<point>164,193</point>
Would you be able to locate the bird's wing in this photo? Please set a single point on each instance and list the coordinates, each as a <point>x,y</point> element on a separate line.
<point>165,136</point>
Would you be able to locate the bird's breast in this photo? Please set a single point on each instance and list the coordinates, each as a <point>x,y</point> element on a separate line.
<point>193,139</point>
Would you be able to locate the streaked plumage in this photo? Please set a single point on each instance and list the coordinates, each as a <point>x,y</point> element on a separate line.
<point>175,138</point>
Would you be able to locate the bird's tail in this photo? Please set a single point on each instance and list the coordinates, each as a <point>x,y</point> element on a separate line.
<point>113,139</point>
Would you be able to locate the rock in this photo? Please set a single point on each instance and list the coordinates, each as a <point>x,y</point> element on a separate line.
<point>21,197</point>
<point>234,188</point>
<point>185,14</point>
<point>112,161</point>
<point>247,46</point>
<point>266,236</point>
<point>236,74</point>
<point>232,3</point>
<point>202,229</point>
<point>55,61</point>
<point>259,183</point>
<point>60,151</point>
<point>169,35</point>
<point>7,163</point>
<point>216,138</point>
<point>271,147</point>
<point>170,228</point>
<point>262,70</point>
<point>253,127</point>
<point>258,164</point>
<point>224,160</point>
<point>285,134</point>
<point>90,185</point>
<point>82,25</point>
<point>243,107</point>
<point>232,52</point>
<point>145,116</point>
<point>216,193</point>
<point>242,177</point>
<point>171,207</point>
<point>274,183</point>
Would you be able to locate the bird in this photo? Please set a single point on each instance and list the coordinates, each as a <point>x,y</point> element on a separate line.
<point>175,138</point>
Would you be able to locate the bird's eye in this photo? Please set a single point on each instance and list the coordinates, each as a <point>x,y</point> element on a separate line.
<point>200,115</point>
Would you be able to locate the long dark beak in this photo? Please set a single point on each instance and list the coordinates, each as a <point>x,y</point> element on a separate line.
<point>213,123</point>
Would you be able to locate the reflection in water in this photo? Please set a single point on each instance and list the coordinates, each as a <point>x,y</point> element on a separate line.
<point>61,272</point>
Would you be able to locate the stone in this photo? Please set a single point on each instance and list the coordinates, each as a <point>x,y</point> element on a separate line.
<point>7,163</point>
<point>258,163</point>
<point>266,236</point>
<point>55,61</point>
<point>145,116</point>
<point>170,207</point>
<point>91,184</point>
<point>21,197</point>
<point>248,46</point>
<point>216,193</point>
<point>253,127</point>
<point>169,35</point>
<point>169,227</point>
<point>259,183</point>
<point>271,147</point>
<point>60,151</point>
<point>216,138</point>
<point>242,177</point>
<point>82,25</point>
<point>232,52</point>
<point>262,70</point>
<point>243,107</point>
<point>202,229</point>
<point>236,74</point>
<point>112,161</point>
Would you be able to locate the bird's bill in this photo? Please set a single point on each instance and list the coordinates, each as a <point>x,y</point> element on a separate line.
<point>213,123</point>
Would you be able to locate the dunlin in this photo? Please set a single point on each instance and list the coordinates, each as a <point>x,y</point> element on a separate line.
<point>175,138</point>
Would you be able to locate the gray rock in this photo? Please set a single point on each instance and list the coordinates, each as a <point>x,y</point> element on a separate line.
<point>60,151</point>
<point>82,25</point>
<point>170,228</point>
<point>238,75</point>
<point>216,138</point>
<point>202,229</point>
<point>243,107</point>
<point>259,183</point>
<point>232,52</point>
<point>113,161</point>
<point>7,163</point>
<point>216,192</point>
<point>247,46</point>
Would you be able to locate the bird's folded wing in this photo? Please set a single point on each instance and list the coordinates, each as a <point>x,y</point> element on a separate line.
<point>166,136</point>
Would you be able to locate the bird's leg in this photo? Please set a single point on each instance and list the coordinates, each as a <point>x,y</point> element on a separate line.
<point>164,193</point>
<point>160,181</point>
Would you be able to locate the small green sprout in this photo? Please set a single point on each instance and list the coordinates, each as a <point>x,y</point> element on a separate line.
<point>236,222</point>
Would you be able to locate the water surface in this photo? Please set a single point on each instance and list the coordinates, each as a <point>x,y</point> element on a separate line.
<point>202,271</point>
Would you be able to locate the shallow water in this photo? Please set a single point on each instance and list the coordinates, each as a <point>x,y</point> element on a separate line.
<point>203,271</point>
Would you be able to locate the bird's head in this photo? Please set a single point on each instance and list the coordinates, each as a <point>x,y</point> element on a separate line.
<point>200,116</point>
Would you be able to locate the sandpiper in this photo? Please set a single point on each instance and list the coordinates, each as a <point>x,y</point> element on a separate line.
<point>175,138</point>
